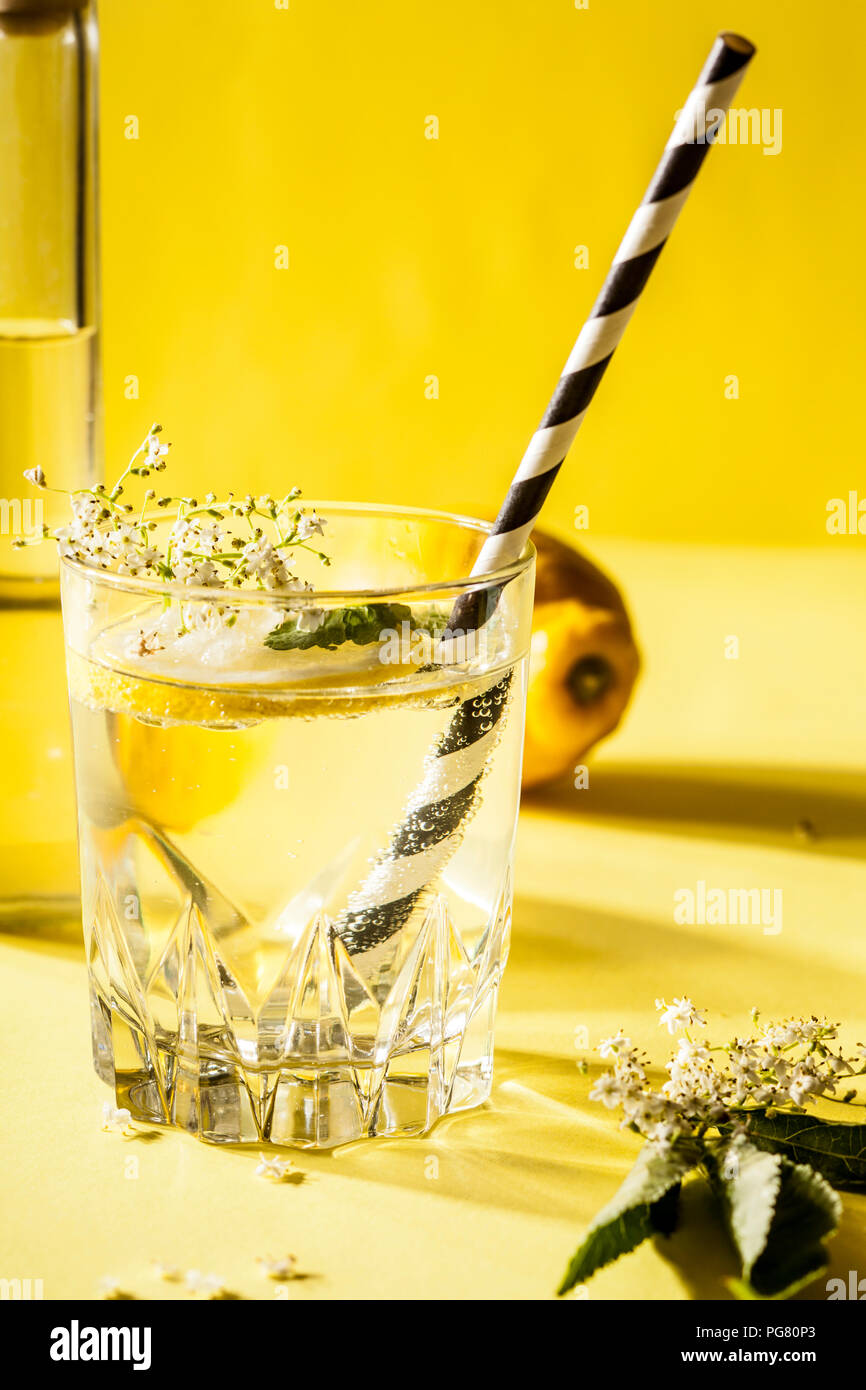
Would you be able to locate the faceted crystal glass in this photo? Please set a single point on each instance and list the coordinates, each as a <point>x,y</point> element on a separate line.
<point>296,860</point>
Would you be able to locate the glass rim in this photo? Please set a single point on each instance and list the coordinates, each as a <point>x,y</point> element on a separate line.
<point>188,593</point>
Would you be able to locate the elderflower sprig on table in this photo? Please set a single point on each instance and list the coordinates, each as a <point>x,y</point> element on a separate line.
<point>786,1065</point>
<point>216,544</point>
<point>736,1114</point>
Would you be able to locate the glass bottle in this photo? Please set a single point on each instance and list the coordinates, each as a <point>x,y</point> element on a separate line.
<point>49,390</point>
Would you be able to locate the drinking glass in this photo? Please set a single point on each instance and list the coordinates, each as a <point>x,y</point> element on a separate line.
<point>296,856</point>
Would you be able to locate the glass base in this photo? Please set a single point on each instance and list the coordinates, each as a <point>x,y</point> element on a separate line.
<point>305,1108</point>
<point>431,1053</point>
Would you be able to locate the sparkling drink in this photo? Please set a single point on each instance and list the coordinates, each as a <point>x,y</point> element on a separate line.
<point>296,864</point>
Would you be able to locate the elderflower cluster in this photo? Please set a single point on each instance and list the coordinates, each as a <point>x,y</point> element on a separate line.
<point>785,1065</point>
<point>202,548</point>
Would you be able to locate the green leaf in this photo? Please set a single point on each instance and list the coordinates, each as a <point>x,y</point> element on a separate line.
<point>330,635</point>
<point>745,1292</point>
<point>778,1214</point>
<point>807,1212</point>
<point>836,1151</point>
<point>362,625</point>
<point>645,1205</point>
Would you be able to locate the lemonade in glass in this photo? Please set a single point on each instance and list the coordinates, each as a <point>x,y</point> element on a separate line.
<point>296,812</point>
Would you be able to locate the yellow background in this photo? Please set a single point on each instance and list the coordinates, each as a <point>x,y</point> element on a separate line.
<point>260,127</point>
<point>409,258</point>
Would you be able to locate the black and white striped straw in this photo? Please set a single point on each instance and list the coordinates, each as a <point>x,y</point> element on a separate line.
<point>692,135</point>
<point>432,827</point>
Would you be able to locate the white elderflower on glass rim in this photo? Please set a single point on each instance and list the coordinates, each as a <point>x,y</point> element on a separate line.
<point>680,1014</point>
<point>310,525</point>
<point>155,449</point>
<point>87,509</point>
<point>217,544</point>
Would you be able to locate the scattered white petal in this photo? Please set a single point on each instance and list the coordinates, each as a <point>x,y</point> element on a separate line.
<point>205,1285</point>
<point>109,1287</point>
<point>281,1268</point>
<point>114,1118</point>
<point>274,1168</point>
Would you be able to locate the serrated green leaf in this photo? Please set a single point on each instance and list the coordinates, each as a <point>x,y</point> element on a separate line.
<point>645,1205</point>
<point>778,1214</point>
<point>836,1151</point>
<point>807,1213</point>
<point>749,1182</point>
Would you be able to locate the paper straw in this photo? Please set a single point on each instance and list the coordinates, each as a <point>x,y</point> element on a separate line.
<point>649,229</point>
<point>432,828</point>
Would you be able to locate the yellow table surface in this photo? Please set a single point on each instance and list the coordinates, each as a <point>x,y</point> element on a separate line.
<point>717,763</point>
<point>514,1183</point>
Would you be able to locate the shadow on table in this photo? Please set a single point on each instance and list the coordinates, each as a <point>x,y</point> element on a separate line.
<point>49,928</point>
<point>540,1146</point>
<point>704,1265</point>
<point>824,811</point>
<point>598,967</point>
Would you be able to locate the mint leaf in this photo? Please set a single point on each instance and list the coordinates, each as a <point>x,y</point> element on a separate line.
<point>362,625</point>
<point>330,635</point>
<point>778,1214</point>
<point>645,1205</point>
<point>836,1151</point>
